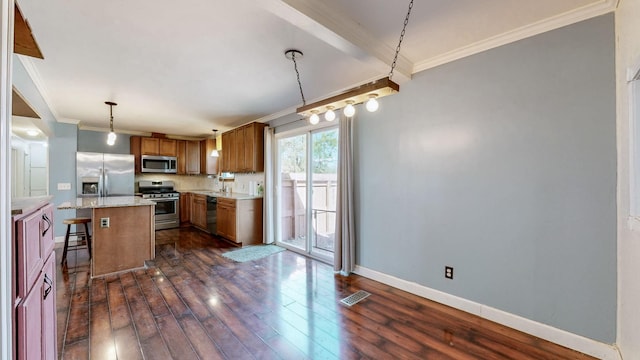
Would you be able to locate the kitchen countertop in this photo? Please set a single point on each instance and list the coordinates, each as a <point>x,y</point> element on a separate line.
<point>236,196</point>
<point>26,204</point>
<point>103,202</point>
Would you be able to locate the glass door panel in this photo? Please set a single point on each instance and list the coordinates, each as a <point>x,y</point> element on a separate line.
<point>324,176</point>
<point>307,168</point>
<point>292,163</point>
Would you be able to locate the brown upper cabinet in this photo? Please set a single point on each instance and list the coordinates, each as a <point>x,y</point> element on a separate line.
<point>192,157</point>
<point>228,152</point>
<point>141,145</point>
<point>158,146</point>
<point>243,149</point>
<point>188,153</point>
<point>208,163</point>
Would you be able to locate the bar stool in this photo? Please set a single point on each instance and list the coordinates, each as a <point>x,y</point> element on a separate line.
<point>80,235</point>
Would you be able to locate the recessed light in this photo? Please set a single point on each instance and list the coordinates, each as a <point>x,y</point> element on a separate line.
<point>32,132</point>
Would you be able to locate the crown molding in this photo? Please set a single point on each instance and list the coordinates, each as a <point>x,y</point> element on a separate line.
<point>34,74</point>
<point>552,23</point>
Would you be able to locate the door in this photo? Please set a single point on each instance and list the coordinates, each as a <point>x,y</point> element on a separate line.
<point>307,165</point>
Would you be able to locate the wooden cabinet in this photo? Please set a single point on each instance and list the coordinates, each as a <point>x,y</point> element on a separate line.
<point>226,213</point>
<point>134,149</point>
<point>181,149</point>
<point>192,158</point>
<point>34,300</point>
<point>140,145</point>
<point>158,146</point>
<point>240,220</point>
<point>188,157</point>
<point>199,211</point>
<point>185,208</point>
<point>167,147</point>
<point>208,163</point>
<point>243,149</point>
<point>229,163</point>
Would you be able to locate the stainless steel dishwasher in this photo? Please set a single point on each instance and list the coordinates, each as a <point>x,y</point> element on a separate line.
<point>212,217</point>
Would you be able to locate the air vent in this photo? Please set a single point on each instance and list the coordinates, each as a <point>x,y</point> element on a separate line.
<point>355,298</point>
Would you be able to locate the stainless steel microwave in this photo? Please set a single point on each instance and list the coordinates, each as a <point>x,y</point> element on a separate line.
<point>159,164</point>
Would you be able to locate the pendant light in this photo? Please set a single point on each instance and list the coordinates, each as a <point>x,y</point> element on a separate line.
<point>214,152</point>
<point>111,138</point>
<point>368,93</point>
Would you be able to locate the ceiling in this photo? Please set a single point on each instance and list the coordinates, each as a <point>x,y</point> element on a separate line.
<point>184,68</point>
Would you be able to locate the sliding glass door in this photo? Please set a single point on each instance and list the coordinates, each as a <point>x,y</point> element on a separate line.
<point>307,164</point>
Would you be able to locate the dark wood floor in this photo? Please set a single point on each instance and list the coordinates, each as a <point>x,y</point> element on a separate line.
<point>196,304</point>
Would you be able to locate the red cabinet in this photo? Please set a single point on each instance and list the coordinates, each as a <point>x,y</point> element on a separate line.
<point>35,295</point>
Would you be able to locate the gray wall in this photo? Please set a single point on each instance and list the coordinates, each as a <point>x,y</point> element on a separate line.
<point>502,165</point>
<point>94,141</point>
<point>62,169</point>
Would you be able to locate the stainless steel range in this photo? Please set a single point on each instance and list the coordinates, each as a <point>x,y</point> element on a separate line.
<point>167,202</point>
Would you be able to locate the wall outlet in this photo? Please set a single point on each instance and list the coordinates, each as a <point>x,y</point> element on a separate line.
<point>64,186</point>
<point>104,222</point>
<point>448,272</point>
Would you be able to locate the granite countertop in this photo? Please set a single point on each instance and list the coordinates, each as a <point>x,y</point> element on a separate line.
<point>27,204</point>
<point>236,196</point>
<point>103,202</point>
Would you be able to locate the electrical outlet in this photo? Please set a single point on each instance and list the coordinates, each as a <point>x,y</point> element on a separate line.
<point>448,272</point>
<point>104,222</point>
<point>64,186</point>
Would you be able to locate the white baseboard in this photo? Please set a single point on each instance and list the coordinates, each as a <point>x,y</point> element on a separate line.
<point>573,341</point>
<point>59,239</point>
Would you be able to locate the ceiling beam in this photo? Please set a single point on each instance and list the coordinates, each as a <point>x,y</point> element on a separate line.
<point>341,32</point>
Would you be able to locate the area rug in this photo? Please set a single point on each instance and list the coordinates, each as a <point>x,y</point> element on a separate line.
<point>252,252</point>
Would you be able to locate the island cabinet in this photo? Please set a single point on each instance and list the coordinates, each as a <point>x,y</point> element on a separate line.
<point>243,149</point>
<point>240,220</point>
<point>208,163</point>
<point>199,211</point>
<point>185,208</point>
<point>34,297</point>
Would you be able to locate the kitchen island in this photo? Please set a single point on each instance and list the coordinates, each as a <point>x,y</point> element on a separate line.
<point>123,232</point>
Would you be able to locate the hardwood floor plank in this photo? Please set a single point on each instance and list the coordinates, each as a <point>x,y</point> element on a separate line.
<point>78,325</point>
<point>142,317</point>
<point>127,345</point>
<point>152,296</point>
<point>154,348</point>
<point>192,303</point>
<point>178,344</point>
<point>171,298</point>
<point>204,346</point>
<point>98,290</point>
<point>102,344</point>
<point>76,351</point>
<point>226,340</point>
<point>118,308</point>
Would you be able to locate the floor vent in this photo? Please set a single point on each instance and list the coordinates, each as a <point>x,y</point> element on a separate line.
<point>355,298</point>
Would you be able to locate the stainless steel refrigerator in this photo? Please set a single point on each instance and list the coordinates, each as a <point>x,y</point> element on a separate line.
<point>104,174</point>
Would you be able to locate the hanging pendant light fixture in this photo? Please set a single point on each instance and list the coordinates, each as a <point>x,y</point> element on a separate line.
<point>368,93</point>
<point>111,138</point>
<point>214,152</point>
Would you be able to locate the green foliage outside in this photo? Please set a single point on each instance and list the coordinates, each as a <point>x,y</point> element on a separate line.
<point>324,153</point>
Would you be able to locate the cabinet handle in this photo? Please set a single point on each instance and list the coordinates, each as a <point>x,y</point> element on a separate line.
<point>48,221</point>
<point>49,283</point>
